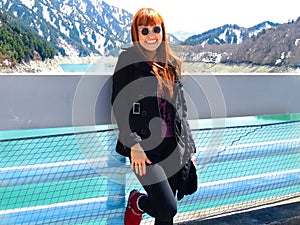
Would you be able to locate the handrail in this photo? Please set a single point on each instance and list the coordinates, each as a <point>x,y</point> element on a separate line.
<point>232,187</point>
<point>36,173</point>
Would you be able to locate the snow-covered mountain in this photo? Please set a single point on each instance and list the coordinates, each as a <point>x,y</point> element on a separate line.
<point>183,35</point>
<point>84,27</point>
<point>228,34</point>
<point>76,27</point>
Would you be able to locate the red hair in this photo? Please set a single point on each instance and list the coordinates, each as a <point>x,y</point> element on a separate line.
<point>166,66</point>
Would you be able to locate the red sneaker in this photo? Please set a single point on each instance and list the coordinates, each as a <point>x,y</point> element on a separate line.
<point>133,216</point>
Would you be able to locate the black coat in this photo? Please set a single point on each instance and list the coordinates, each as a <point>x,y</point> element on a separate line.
<point>135,106</point>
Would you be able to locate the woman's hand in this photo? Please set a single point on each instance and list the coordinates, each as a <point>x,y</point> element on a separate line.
<point>139,160</point>
<point>193,158</point>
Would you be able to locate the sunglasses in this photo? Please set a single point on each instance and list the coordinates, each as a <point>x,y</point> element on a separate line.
<point>145,31</point>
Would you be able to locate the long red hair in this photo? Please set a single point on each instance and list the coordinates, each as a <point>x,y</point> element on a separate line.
<point>167,67</point>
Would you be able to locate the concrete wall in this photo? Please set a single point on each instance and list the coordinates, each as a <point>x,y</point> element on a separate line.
<point>42,101</point>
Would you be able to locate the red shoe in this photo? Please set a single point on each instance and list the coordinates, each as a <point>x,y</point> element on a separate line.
<point>133,216</point>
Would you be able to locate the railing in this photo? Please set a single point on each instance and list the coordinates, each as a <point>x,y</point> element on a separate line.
<point>63,177</point>
<point>238,168</point>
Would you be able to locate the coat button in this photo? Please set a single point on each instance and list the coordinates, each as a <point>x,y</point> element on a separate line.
<point>143,131</point>
<point>144,113</point>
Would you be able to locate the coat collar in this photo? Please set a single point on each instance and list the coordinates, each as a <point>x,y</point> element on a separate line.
<point>137,60</point>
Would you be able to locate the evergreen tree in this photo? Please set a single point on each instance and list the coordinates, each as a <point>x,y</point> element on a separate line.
<point>19,42</point>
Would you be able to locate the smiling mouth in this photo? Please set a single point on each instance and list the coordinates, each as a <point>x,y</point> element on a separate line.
<point>151,42</point>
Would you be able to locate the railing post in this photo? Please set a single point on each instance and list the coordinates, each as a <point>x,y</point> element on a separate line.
<point>116,188</point>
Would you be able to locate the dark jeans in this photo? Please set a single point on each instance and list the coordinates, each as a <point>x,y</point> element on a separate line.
<point>161,182</point>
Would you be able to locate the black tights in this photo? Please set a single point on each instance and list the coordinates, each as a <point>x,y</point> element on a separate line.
<point>160,183</point>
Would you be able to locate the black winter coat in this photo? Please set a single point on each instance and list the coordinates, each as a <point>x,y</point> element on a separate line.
<point>135,106</point>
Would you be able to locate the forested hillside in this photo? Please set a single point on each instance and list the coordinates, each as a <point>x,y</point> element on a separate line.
<point>19,43</point>
<point>277,46</point>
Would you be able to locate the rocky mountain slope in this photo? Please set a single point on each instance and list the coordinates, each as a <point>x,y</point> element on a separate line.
<point>276,46</point>
<point>77,27</point>
<point>228,34</point>
<point>85,27</point>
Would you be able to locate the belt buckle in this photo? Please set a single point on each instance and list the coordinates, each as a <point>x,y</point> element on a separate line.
<point>136,108</point>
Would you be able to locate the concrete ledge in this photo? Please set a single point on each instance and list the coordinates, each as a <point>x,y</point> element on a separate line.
<point>45,101</point>
<point>288,214</point>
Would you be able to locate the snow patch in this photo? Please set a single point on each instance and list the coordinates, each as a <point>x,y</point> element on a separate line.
<point>69,49</point>
<point>6,62</point>
<point>28,3</point>
<point>83,7</point>
<point>63,29</point>
<point>66,9</point>
<point>46,13</point>
<point>81,35</point>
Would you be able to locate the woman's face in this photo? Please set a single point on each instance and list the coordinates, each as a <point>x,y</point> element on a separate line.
<point>150,37</point>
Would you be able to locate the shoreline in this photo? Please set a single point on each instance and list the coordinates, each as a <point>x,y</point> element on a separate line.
<point>52,66</point>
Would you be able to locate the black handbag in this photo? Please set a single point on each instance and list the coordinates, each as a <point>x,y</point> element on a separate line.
<point>188,182</point>
<point>192,181</point>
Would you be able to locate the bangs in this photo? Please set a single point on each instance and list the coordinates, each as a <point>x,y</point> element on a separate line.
<point>148,18</point>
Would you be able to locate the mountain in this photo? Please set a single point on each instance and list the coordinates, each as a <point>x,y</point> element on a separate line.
<point>20,43</point>
<point>76,27</point>
<point>183,35</point>
<point>278,45</point>
<point>228,34</point>
<point>92,27</point>
<point>173,40</point>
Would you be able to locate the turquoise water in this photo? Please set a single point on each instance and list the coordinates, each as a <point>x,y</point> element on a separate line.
<point>88,68</point>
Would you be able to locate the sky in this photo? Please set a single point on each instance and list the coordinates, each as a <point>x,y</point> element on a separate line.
<point>197,16</point>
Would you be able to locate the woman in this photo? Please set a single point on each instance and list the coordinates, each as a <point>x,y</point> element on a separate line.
<point>150,112</point>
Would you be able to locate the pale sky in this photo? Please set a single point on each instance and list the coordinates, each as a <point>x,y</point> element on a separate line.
<point>199,16</point>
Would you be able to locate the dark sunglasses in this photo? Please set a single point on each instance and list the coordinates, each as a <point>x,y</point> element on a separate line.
<point>156,30</point>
